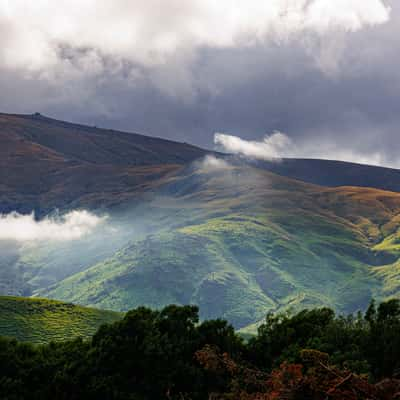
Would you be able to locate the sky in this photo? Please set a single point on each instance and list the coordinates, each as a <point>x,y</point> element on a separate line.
<point>297,78</point>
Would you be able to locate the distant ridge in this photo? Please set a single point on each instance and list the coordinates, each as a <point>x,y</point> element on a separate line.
<point>333,173</point>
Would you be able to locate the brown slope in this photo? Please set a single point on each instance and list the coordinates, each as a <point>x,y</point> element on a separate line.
<point>95,145</point>
<point>47,164</point>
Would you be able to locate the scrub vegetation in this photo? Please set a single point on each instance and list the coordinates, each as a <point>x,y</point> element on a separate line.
<point>169,354</point>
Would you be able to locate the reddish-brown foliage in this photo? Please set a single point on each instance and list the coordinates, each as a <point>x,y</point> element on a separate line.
<point>315,380</point>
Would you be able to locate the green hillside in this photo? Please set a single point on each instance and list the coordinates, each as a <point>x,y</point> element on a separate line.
<point>42,320</point>
<point>240,242</point>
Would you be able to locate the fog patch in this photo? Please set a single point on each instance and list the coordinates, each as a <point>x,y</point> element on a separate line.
<point>278,145</point>
<point>211,163</point>
<point>70,226</point>
<point>272,147</point>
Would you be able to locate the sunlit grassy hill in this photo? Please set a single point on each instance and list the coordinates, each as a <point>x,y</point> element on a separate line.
<point>240,242</point>
<point>41,320</point>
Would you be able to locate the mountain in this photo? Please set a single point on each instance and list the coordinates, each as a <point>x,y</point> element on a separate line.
<point>42,320</point>
<point>236,237</point>
<point>242,241</point>
<point>334,173</point>
<point>47,164</point>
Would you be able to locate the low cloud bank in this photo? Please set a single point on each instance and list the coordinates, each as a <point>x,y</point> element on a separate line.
<point>73,225</point>
<point>270,148</point>
<point>278,145</point>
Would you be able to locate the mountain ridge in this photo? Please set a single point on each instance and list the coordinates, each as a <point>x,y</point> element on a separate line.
<point>47,164</point>
<point>333,173</point>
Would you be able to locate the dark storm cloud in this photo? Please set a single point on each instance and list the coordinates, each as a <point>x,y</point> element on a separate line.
<point>333,92</point>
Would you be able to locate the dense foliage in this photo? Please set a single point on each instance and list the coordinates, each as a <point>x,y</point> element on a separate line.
<point>168,354</point>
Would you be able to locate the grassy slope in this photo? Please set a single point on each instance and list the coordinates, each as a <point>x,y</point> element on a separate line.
<point>244,242</point>
<point>40,320</point>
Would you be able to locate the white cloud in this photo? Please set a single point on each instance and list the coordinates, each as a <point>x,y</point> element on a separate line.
<point>211,163</point>
<point>271,147</point>
<point>35,34</point>
<point>350,15</point>
<point>278,145</point>
<point>23,228</point>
